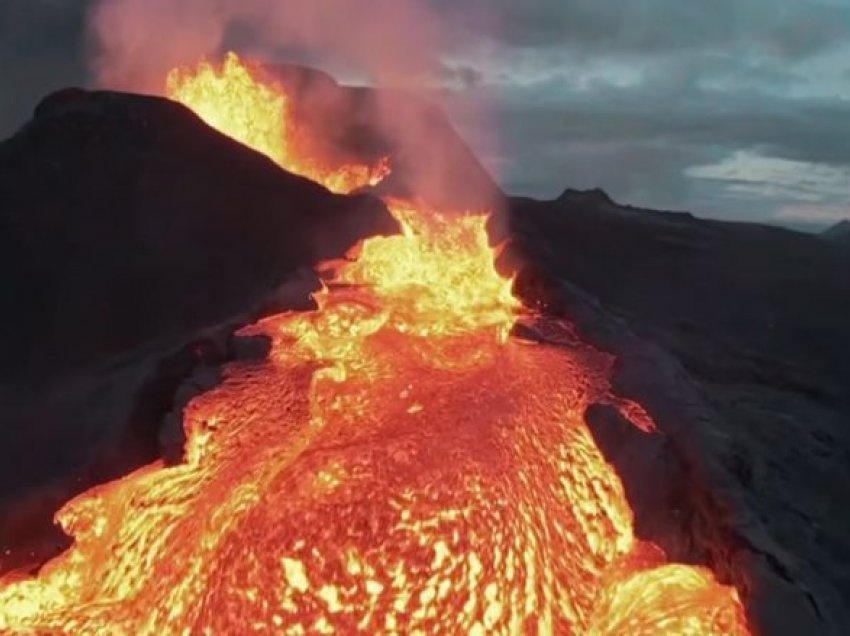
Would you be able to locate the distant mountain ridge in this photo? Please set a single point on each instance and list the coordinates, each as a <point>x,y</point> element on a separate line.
<point>838,233</point>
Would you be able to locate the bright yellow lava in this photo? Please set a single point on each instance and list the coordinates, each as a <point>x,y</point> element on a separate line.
<point>236,99</point>
<point>399,465</point>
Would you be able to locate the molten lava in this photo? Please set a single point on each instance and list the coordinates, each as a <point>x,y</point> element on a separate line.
<point>238,100</point>
<point>399,465</point>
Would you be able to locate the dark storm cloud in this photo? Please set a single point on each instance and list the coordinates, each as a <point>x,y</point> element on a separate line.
<point>787,27</point>
<point>728,108</point>
<point>811,130</point>
<point>638,143</point>
<point>641,155</point>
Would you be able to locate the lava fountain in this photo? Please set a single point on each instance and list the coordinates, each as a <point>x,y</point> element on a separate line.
<point>400,464</point>
<point>239,99</point>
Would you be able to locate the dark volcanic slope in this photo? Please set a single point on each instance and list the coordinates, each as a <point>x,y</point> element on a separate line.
<point>736,302</point>
<point>124,219</point>
<point>128,231</point>
<point>753,378</point>
<point>838,233</point>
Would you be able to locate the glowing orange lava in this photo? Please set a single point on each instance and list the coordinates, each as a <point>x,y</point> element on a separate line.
<point>236,99</point>
<point>399,465</point>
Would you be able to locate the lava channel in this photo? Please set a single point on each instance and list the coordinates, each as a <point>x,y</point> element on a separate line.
<point>399,464</point>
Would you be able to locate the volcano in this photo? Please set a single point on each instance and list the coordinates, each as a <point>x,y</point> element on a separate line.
<point>438,444</point>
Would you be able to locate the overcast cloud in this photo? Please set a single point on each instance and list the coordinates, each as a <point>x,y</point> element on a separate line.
<point>736,109</point>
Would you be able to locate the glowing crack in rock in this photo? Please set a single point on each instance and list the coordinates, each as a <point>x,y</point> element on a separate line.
<point>398,465</point>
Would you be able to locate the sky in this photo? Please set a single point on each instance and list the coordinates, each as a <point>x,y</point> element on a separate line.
<point>731,109</point>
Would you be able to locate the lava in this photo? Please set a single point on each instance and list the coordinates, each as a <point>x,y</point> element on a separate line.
<point>400,464</point>
<point>240,100</point>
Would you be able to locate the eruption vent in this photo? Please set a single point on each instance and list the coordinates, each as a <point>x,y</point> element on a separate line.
<point>235,99</point>
<point>399,465</point>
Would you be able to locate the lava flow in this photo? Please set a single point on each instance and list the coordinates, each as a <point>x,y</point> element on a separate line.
<point>400,464</point>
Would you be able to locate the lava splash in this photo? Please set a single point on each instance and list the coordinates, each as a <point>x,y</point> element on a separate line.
<point>400,464</point>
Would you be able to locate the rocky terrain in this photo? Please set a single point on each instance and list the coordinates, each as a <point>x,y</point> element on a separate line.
<point>838,234</point>
<point>736,337</point>
<point>133,240</point>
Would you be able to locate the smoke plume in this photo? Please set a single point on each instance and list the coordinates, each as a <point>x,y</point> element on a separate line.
<point>140,40</point>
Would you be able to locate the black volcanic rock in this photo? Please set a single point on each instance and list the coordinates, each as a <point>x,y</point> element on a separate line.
<point>133,240</point>
<point>124,219</point>
<point>736,338</point>
<point>838,233</point>
<point>737,302</point>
